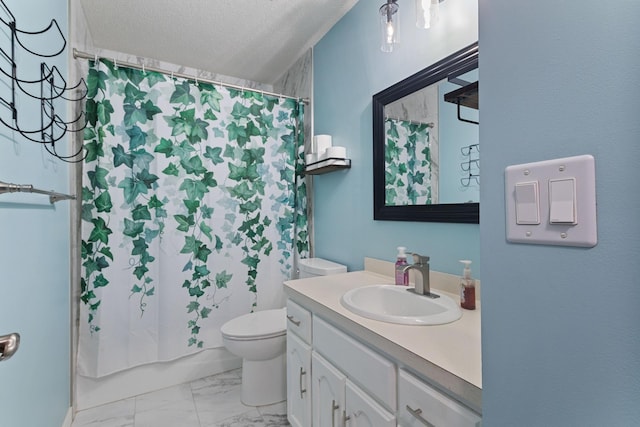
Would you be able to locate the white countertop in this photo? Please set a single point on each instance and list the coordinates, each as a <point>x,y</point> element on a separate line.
<point>448,355</point>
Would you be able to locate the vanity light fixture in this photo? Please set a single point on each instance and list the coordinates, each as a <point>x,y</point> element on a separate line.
<point>427,14</point>
<point>389,25</point>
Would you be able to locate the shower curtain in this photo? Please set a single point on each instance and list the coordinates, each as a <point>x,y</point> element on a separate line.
<point>410,167</point>
<point>192,213</point>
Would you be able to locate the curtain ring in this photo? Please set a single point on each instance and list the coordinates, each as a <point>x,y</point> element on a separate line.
<point>143,70</point>
<point>95,58</point>
<point>172,75</point>
<point>115,63</point>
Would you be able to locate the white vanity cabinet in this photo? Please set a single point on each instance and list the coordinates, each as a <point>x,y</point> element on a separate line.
<point>298,365</point>
<point>419,404</point>
<point>335,379</point>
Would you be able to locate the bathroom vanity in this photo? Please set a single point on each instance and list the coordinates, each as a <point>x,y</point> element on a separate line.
<point>344,369</point>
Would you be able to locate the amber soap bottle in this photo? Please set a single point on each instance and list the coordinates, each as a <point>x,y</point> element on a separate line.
<point>467,287</point>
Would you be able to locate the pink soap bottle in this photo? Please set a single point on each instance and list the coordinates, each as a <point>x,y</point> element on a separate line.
<point>402,276</point>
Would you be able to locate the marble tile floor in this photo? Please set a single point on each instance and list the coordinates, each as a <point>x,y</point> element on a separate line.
<point>208,402</point>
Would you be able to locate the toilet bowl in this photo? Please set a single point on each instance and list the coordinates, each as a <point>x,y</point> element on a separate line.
<point>260,340</point>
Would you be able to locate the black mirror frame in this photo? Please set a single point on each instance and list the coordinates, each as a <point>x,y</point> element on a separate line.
<point>453,65</point>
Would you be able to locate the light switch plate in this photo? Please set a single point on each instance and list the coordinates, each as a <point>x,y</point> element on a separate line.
<point>584,232</point>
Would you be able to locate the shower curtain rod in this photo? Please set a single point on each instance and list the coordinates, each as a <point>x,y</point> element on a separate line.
<point>79,54</point>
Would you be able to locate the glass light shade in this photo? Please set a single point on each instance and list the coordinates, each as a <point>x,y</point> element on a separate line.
<point>388,26</point>
<point>427,13</point>
<point>423,13</point>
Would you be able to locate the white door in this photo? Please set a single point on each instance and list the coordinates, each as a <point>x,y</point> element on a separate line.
<point>363,411</point>
<point>298,382</point>
<point>328,391</point>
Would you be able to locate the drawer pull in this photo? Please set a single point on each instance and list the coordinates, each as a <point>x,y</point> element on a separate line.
<point>334,407</point>
<point>417,413</point>
<point>291,319</point>
<point>302,390</point>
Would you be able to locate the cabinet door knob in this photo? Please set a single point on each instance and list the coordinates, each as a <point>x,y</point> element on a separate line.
<point>302,390</point>
<point>345,418</point>
<point>417,413</point>
<point>291,319</point>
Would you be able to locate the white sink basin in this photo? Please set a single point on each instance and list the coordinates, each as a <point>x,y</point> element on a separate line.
<point>395,304</point>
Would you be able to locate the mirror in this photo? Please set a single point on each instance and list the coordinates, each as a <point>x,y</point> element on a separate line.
<point>426,160</point>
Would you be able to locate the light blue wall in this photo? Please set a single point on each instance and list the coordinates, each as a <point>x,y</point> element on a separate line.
<point>349,69</point>
<point>34,247</point>
<point>561,326</point>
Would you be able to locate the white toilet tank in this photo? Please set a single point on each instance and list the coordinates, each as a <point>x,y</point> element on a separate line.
<point>311,267</point>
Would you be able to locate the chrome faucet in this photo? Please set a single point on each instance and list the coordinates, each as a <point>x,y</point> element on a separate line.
<point>421,263</point>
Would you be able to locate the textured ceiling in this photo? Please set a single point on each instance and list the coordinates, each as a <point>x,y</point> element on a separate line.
<point>256,40</point>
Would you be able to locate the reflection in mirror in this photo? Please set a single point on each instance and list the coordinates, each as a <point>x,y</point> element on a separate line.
<point>426,146</point>
<point>460,153</point>
<point>411,152</point>
<point>418,169</point>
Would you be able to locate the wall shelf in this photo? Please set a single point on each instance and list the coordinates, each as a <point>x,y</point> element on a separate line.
<point>467,96</point>
<point>330,164</point>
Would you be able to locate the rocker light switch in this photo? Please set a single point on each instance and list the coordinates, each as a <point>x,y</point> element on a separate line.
<point>562,201</point>
<point>527,206</point>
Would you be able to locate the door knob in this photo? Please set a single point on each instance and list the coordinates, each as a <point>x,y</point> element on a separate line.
<point>9,345</point>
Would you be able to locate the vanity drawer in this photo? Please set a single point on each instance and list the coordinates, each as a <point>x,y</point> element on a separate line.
<point>421,405</point>
<point>371,371</point>
<point>299,321</point>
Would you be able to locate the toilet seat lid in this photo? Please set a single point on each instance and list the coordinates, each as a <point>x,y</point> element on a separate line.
<point>261,324</point>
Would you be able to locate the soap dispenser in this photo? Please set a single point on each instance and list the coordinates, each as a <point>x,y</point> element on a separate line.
<point>467,287</point>
<point>402,275</point>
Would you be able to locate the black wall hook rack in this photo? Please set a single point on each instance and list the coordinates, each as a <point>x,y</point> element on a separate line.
<point>49,88</point>
<point>471,166</point>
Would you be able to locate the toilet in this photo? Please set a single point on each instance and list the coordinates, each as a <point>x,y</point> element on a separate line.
<point>260,339</point>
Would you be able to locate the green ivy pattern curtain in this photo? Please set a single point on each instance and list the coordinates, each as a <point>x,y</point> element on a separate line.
<point>408,177</point>
<point>191,213</point>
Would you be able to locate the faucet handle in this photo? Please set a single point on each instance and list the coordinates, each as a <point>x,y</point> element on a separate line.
<point>419,259</point>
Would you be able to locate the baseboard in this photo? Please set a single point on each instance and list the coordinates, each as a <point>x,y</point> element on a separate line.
<point>68,419</point>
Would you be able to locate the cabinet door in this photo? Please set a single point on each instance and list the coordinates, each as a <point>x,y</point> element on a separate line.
<point>374,373</point>
<point>327,391</point>
<point>298,382</point>
<point>363,411</point>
